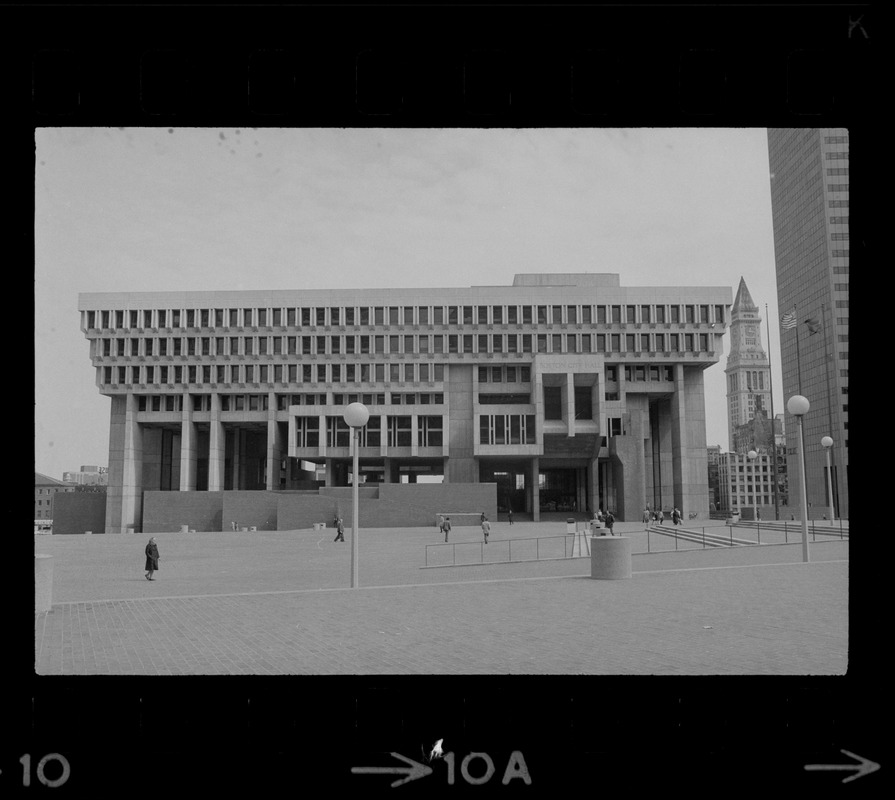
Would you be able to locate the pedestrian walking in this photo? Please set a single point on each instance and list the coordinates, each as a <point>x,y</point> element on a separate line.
<point>610,521</point>
<point>510,515</point>
<point>340,530</point>
<point>661,516</point>
<point>483,516</point>
<point>646,516</point>
<point>676,516</point>
<point>151,558</point>
<point>486,527</point>
<point>446,527</point>
<point>232,526</point>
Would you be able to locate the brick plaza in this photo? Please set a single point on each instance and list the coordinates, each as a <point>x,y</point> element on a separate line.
<point>279,603</point>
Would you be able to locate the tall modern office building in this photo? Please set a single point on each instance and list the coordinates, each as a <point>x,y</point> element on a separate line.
<point>568,391</point>
<point>809,194</point>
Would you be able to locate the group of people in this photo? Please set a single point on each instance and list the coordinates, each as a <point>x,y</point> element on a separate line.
<point>607,519</point>
<point>658,516</point>
<point>444,525</point>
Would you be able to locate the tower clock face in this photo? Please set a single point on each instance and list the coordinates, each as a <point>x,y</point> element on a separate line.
<point>750,330</point>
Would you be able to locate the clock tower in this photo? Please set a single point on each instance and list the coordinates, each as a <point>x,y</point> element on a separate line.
<point>748,370</point>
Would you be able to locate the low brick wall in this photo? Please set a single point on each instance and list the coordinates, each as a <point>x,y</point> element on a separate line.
<point>164,512</point>
<point>78,512</point>
<point>397,506</point>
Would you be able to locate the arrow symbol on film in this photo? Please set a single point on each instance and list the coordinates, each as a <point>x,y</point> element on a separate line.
<point>414,771</point>
<point>865,767</point>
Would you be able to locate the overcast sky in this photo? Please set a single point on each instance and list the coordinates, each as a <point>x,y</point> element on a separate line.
<point>190,209</point>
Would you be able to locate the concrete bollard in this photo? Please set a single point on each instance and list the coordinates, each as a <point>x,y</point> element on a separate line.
<point>610,557</point>
<point>88,533</point>
<point>43,582</point>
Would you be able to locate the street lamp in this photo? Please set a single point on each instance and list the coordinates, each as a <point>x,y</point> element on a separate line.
<point>798,406</point>
<point>356,416</point>
<point>827,443</point>
<point>752,456</point>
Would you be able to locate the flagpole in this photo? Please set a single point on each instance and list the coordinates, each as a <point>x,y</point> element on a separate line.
<point>773,420</point>
<point>829,357</point>
<point>798,350</point>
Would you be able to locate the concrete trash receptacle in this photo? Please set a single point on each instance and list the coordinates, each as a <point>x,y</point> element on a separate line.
<point>570,526</point>
<point>184,528</point>
<point>43,582</point>
<point>610,557</point>
<point>253,527</point>
<point>319,526</point>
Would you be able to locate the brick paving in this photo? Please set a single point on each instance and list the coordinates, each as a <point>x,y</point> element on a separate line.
<point>278,603</point>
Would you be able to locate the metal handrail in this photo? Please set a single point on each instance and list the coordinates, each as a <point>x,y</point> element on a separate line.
<point>536,539</point>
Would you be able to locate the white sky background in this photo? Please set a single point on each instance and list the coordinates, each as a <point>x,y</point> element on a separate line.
<point>159,209</point>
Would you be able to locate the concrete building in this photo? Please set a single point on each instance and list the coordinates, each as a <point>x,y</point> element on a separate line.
<point>810,196</point>
<point>747,485</point>
<point>45,490</point>
<point>568,391</point>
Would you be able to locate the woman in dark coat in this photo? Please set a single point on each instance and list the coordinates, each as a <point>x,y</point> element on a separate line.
<point>151,559</point>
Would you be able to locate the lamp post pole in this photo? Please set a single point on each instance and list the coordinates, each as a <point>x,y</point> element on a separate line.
<point>798,406</point>
<point>827,443</point>
<point>356,415</point>
<point>752,454</point>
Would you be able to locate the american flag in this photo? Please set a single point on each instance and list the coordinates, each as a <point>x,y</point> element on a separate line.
<point>788,320</point>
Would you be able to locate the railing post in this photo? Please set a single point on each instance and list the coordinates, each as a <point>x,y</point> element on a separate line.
<point>482,545</point>
<point>703,537</point>
<point>759,532</point>
<point>538,549</point>
<point>675,541</point>
<point>454,554</point>
<point>785,532</point>
<point>647,541</point>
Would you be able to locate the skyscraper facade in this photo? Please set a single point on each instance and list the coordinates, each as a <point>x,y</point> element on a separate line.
<point>809,172</point>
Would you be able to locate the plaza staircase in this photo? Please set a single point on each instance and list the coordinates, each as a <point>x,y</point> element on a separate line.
<point>700,536</point>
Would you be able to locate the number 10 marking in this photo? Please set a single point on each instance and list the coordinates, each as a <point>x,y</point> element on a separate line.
<point>25,761</point>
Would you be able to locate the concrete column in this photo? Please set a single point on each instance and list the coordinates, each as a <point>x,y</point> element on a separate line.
<point>593,482</point>
<point>387,470</point>
<point>274,445</point>
<point>414,434</point>
<point>535,491</point>
<point>235,458</point>
<point>678,434</point>
<point>216,446</point>
<point>188,437</point>
<point>568,391</point>
<point>152,459</point>
<point>330,472</point>
<point>124,498</point>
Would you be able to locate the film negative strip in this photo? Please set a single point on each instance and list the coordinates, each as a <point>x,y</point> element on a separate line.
<point>445,729</point>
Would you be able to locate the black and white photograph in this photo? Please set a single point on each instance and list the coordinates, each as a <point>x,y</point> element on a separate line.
<point>444,448</point>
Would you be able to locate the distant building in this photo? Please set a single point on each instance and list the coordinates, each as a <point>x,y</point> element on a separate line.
<point>714,462</point>
<point>88,476</point>
<point>45,489</point>
<point>745,483</point>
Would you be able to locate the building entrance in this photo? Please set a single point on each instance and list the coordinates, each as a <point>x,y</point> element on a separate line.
<point>558,490</point>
